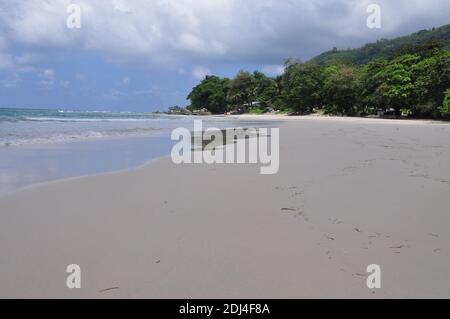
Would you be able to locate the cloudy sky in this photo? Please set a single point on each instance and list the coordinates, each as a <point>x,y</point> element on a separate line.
<point>145,55</point>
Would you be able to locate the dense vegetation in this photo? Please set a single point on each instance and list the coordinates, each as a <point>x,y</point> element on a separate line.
<point>386,48</point>
<point>413,81</point>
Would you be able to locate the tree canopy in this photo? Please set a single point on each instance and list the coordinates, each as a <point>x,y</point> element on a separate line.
<point>413,82</point>
<point>385,48</point>
<point>210,94</point>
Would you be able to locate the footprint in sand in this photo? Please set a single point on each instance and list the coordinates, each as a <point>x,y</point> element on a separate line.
<point>298,212</point>
<point>359,275</point>
<point>336,221</point>
<point>446,182</point>
<point>294,192</point>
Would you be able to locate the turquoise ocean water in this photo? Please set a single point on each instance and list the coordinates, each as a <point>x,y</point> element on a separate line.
<point>31,126</point>
<point>43,145</point>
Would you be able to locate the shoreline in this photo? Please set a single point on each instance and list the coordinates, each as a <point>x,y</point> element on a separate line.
<point>337,118</point>
<point>251,117</point>
<point>44,184</point>
<point>243,117</point>
<point>225,231</point>
<point>34,165</point>
<point>52,163</point>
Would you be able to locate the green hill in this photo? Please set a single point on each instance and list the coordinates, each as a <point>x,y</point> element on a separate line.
<point>386,48</point>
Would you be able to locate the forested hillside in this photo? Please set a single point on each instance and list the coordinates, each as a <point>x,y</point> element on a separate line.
<point>386,48</point>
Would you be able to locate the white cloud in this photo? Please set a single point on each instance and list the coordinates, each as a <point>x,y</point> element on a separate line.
<point>126,80</point>
<point>171,34</point>
<point>47,74</point>
<point>121,6</point>
<point>36,22</point>
<point>273,70</point>
<point>47,78</point>
<point>199,72</point>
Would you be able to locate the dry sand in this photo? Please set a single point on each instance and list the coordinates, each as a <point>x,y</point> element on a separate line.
<point>349,193</point>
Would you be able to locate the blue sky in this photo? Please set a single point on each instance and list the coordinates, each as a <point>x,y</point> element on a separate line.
<point>145,55</point>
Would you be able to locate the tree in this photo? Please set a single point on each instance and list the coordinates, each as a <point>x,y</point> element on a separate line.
<point>242,91</point>
<point>342,89</point>
<point>210,94</point>
<point>412,81</point>
<point>445,109</point>
<point>266,90</point>
<point>393,84</point>
<point>424,50</point>
<point>415,82</point>
<point>370,83</point>
<point>301,86</point>
<point>432,78</point>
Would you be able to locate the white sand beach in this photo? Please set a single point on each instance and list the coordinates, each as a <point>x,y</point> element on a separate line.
<point>349,193</point>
